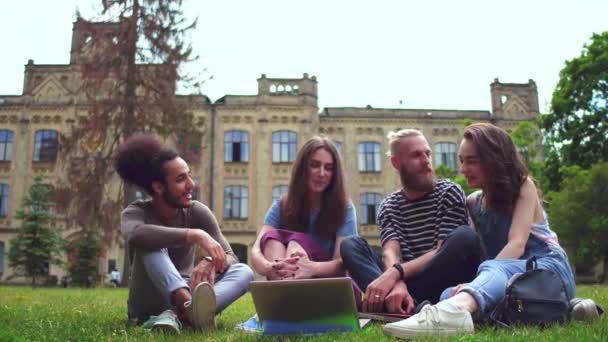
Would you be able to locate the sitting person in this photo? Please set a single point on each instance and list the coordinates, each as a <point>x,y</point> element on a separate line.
<point>508,215</point>
<point>167,287</point>
<point>425,241</point>
<point>303,230</point>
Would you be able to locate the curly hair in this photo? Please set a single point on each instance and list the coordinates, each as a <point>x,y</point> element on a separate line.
<point>502,164</point>
<point>294,206</point>
<point>139,161</point>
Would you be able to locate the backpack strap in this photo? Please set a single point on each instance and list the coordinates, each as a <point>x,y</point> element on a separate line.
<point>531,264</point>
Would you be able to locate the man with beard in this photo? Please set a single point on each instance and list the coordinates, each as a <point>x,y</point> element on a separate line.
<point>167,288</point>
<point>426,243</point>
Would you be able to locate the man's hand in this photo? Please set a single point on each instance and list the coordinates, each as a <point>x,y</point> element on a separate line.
<point>215,250</point>
<point>204,271</point>
<point>399,298</point>
<point>378,289</point>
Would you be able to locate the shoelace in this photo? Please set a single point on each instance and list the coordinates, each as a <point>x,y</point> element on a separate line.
<point>430,314</point>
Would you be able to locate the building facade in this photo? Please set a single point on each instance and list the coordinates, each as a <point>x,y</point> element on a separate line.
<point>247,147</point>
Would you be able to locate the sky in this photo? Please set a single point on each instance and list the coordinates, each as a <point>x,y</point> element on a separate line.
<point>387,54</point>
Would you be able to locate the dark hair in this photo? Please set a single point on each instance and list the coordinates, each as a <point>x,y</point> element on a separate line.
<point>500,162</point>
<point>139,161</point>
<point>295,210</point>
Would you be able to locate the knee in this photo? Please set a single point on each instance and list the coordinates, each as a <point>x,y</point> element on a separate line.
<point>350,245</point>
<point>465,239</point>
<point>243,272</point>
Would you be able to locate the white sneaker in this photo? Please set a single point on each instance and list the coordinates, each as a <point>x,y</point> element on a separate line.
<point>202,307</point>
<point>432,321</point>
<point>584,310</point>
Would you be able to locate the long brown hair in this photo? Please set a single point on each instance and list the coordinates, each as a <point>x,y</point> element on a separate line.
<point>501,163</point>
<point>295,209</point>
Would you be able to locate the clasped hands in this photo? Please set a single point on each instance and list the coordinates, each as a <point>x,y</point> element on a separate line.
<point>296,266</point>
<point>388,293</point>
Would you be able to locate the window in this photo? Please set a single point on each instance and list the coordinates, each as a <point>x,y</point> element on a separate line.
<point>111,265</point>
<point>235,202</point>
<point>368,207</point>
<point>3,200</point>
<point>369,157</point>
<point>445,154</point>
<point>240,251</point>
<point>283,146</point>
<point>1,257</point>
<point>338,146</point>
<point>45,146</point>
<point>278,191</point>
<point>236,146</point>
<point>6,145</point>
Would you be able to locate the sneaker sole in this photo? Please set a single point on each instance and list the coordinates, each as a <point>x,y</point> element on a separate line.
<point>407,333</point>
<point>164,328</point>
<point>203,306</point>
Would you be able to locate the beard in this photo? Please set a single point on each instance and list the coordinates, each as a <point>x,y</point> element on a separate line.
<point>172,200</point>
<point>415,181</point>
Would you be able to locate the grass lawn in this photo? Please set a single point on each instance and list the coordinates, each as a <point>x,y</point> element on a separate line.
<point>99,314</point>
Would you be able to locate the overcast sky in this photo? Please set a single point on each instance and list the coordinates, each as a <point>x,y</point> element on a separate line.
<point>426,54</point>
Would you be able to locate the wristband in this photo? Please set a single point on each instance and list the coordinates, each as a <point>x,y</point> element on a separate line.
<point>400,269</point>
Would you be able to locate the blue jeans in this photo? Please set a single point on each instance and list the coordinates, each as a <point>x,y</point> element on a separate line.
<point>155,277</point>
<point>456,262</point>
<point>488,288</point>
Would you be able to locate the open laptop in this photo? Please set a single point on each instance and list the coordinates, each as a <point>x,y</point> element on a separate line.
<point>306,306</point>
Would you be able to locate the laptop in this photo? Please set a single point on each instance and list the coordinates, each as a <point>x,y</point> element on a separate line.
<point>306,306</point>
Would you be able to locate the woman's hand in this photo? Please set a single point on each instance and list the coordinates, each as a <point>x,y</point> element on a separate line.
<point>215,250</point>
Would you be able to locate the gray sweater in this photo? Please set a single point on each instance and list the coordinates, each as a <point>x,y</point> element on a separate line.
<point>141,228</point>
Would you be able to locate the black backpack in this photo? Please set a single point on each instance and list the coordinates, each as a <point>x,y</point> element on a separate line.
<point>535,297</point>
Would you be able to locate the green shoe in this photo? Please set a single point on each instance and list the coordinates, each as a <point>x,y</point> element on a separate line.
<point>202,307</point>
<point>166,322</point>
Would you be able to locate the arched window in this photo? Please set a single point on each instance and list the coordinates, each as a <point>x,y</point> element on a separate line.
<point>278,191</point>
<point>236,146</point>
<point>240,251</point>
<point>283,146</point>
<point>6,145</point>
<point>368,207</point>
<point>1,257</point>
<point>235,202</point>
<point>4,190</point>
<point>445,154</point>
<point>369,156</point>
<point>45,146</point>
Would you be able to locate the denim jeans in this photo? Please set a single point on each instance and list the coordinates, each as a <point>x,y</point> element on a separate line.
<point>456,262</point>
<point>489,287</point>
<point>154,278</point>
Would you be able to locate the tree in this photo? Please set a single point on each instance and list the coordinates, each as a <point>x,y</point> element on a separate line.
<point>577,126</point>
<point>129,66</point>
<point>83,255</point>
<point>579,213</point>
<point>525,137</point>
<point>38,243</point>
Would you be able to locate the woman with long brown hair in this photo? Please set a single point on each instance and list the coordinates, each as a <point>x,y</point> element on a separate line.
<point>302,231</point>
<point>507,214</point>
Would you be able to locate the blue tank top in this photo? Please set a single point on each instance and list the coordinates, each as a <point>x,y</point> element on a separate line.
<point>493,229</point>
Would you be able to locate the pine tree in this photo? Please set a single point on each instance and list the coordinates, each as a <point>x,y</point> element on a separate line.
<point>84,253</point>
<point>38,243</point>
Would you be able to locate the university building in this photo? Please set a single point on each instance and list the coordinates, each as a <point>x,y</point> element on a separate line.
<point>247,148</point>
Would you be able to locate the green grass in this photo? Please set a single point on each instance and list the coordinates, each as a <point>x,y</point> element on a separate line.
<point>99,314</point>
